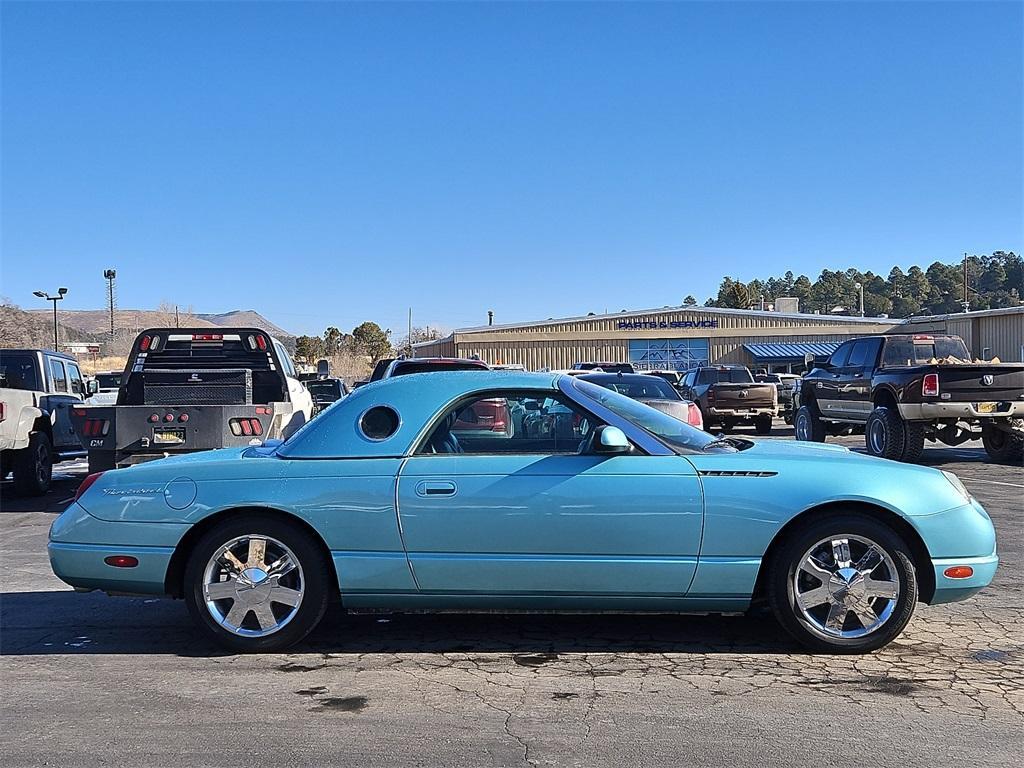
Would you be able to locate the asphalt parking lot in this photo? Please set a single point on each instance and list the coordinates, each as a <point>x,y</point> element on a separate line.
<point>94,680</point>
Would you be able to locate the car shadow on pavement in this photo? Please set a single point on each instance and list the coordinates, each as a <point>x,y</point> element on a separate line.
<point>67,623</point>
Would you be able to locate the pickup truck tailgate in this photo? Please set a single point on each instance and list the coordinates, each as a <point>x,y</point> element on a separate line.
<point>971,383</point>
<point>741,396</point>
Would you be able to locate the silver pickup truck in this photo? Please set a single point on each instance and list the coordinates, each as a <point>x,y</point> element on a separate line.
<point>38,390</point>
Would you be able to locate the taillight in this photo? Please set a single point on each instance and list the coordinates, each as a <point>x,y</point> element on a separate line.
<point>246,427</point>
<point>711,395</point>
<point>930,385</point>
<point>261,342</point>
<point>95,427</point>
<point>86,484</point>
<point>144,344</point>
<point>694,417</point>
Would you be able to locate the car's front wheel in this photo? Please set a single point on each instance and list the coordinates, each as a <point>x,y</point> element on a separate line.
<point>844,583</point>
<point>33,466</point>
<point>808,427</point>
<point>257,583</point>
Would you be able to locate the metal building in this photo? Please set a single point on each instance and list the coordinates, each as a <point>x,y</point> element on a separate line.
<point>681,337</point>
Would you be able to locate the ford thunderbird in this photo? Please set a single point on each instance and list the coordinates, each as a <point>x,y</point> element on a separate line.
<point>426,492</point>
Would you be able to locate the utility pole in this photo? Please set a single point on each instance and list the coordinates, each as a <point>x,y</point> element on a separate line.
<point>410,332</point>
<point>176,324</point>
<point>967,298</point>
<point>110,274</point>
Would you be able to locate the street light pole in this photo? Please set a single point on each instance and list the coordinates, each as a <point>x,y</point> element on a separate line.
<point>54,299</point>
<point>860,288</point>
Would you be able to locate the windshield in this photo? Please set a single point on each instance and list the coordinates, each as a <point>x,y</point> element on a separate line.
<point>18,371</point>
<point>325,389</point>
<point>637,387</point>
<point>724,376</point>
<point>677,434</point>
<point>920,349</point>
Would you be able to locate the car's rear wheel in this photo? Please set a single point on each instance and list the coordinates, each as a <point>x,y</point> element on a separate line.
<point>808,427</point>
<point>257,583</point>
<point>1002,446</point>
<point>844,583</point>
<point>33,466</point>
<point>763,425</point>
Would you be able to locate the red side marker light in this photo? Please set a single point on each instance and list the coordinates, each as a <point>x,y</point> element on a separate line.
<point>958,572</point>
<point>121,561</point>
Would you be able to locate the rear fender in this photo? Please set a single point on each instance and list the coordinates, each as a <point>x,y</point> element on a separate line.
<point>31,419</point>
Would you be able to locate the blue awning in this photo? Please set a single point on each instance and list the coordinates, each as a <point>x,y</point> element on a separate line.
<point>790,353</point>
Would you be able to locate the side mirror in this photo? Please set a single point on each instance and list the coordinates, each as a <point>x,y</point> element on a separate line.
<point>92,387</point>
<point>611,440</point>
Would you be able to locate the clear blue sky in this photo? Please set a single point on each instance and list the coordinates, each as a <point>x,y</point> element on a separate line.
<point>330,163</point>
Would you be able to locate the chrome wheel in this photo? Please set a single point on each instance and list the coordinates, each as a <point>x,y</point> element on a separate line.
<point>253,585</point>
<point>803,430</point>
<point>846,587</point>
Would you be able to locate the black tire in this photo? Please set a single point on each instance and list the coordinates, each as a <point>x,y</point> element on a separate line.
<point>884,434</point>
<point>782,572</point>
<point>1001,446</point>
<point>317,574</point>
<point>763,425</point>
<point>101,461</point>
<point>807,426</point>
<point>33,466</point>
<point>913,441</point>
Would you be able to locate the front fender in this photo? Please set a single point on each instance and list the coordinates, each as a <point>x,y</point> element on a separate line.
<point>26,425</point>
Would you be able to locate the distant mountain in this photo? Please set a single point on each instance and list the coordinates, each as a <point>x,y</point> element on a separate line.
<point>247,317</point>
<point>97,321</point>
<point>32,330</point>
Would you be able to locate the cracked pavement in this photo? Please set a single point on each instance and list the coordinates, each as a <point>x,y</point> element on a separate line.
<point>93,680</point>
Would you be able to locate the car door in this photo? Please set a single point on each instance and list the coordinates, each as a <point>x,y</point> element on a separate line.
<point>59,401</point>
<point>828,383</point>
<point>532,515</point>
<point>855,389</point>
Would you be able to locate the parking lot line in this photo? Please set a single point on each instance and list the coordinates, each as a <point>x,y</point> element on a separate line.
<point>991,482</point>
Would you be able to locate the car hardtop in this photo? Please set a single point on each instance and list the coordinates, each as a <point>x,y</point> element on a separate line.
<point>47,352</point>
<point>416,398</point>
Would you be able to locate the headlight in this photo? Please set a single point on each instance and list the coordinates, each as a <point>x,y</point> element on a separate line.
<point>955,482</point>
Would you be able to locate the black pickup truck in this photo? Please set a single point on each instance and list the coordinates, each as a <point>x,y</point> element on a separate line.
<point>903,389</point>
<point>727,395</point>
<point>193,389</point>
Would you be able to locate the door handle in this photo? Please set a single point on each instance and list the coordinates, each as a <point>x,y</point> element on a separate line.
<point>428,488</point>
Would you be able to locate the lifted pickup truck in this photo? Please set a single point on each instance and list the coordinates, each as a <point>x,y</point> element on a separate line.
<point>38,389</point>
<point>902,389</point>
<point>192,389</point>
<point>727,395</point>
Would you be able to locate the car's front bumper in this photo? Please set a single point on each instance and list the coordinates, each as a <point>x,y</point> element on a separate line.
<point>949,590</point>
<point>79,544</point>
<point>962,536</point>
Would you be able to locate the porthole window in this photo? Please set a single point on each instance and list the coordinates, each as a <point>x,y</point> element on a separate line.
<point>379,422</point>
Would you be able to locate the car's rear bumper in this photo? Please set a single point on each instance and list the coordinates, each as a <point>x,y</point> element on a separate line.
<point>742,413</point>
<point>949,410</point>
<point>79,544</point>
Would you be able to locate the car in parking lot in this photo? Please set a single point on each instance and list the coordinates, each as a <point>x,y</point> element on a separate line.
<point>785,383</point>
<point>728,396</point>
<point>380,501</point>
<point>606,367</point>
<point>650,390</point>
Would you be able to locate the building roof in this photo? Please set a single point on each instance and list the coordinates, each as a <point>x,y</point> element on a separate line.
<point>788,353</point>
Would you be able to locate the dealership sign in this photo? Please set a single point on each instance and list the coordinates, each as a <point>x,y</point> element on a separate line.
<point>639,325</point>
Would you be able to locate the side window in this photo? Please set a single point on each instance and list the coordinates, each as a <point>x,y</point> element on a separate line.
<point>858,355</point>
<point>60,378</point>
<point>511,423</point>
<point>841,355</point>
<point>75,375</point>
<point>286,361</point>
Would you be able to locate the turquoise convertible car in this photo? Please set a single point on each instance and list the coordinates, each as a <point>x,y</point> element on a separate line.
<point>512,491</point>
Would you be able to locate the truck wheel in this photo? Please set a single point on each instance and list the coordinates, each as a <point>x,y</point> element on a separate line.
<point>33,466</point>
<point>763,425</point>
<point>884,435</point>
<point>809,427</point>
<point>257,583</point>
<point>101,461</point>
<point>913,441</point>
<point>1004,447</point>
